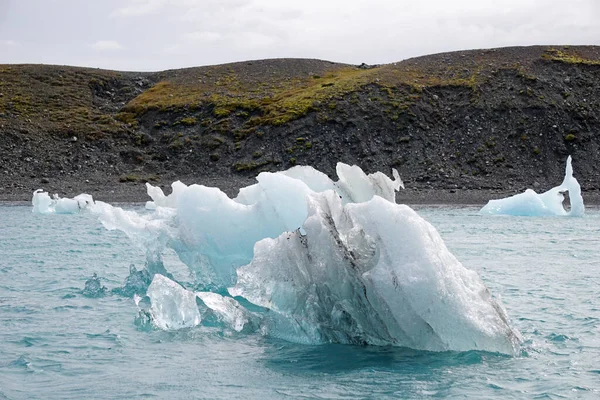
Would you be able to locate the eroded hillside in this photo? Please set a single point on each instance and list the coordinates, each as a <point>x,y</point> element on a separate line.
<point>498,119</point>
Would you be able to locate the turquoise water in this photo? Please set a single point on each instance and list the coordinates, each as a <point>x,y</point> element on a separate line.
<point>57,343</point>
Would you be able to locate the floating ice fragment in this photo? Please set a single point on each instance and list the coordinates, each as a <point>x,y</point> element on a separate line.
<point>93,287</point>
<point>136,283</point>
<point>173,307</point>
<point>43,204</point>
<point>230,312</point>
<point>548,203</point>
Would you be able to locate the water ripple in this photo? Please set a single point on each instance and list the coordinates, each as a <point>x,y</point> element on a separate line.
<point>58,343</point>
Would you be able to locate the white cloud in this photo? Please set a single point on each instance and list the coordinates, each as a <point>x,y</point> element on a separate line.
<point>202,37</point>
<point>201,32</point>
<point>356,31</point>
<point>8,43</point>
<point>255,40</point>
<point>139,8</point>
<point>106,45</point>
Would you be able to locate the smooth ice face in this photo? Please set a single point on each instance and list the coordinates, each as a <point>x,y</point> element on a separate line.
<point>229,312</point>
<point>173,307</point>
<point>372,273</point>
<point>548,203</point>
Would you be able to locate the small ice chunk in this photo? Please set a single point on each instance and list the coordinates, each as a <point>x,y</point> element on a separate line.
<point>173,307</point>
<point>548,203</point>
<point>229,311</point>
<point>43,204</point>
<point>93,287</point>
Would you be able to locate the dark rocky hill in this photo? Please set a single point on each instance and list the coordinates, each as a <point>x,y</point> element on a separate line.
<point>455,125</point>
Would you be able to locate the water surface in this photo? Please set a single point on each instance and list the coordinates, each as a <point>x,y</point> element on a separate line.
<point>57,343</point>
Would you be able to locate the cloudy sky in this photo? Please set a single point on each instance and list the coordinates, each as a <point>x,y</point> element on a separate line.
<point>149,35</point>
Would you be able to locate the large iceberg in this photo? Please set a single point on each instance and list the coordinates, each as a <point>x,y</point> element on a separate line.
<point>306,259</point>
<point>214,234</point>
<point>371,273</point>
<point>531,203</point>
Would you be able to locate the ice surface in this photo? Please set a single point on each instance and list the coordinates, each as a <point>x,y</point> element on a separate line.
<point>158,197</point>
<point>93,287</point>
<point>173,307</point>
<point>150,231</point>
<point>372,273</point>
<point>230,312</point>
<point>214,234</point>
<point>530,203</point>
<point>136,283</point>
<point>355,186</point>
<point>309,260</point>
<point>43,204</point>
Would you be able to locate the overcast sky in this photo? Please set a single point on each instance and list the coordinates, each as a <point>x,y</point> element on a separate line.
<point>149,35</point>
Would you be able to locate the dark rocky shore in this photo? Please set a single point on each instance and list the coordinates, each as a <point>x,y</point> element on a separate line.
<point>460,127</point>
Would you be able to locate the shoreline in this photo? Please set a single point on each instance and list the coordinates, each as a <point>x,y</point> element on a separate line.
<point>410,197</point>
<point>460,127</point>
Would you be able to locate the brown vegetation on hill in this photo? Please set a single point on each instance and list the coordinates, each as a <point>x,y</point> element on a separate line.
<point>495,119</point>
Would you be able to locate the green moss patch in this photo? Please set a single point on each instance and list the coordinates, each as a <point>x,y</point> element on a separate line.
<point>61,99</point>
<point>568,57</point>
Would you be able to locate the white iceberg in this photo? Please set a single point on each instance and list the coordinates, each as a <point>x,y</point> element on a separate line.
<point>312,261</point>
<point>214,234</point>
<point>44,204</point>
<point>372,273</point>
<point>548,203</point>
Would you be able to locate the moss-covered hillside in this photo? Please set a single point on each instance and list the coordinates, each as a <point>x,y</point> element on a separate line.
<point>497,119</point>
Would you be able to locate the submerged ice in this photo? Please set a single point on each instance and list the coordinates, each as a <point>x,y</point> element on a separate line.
<point>174,307</point>
<point>531,203</point>
<point>306,259</point>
